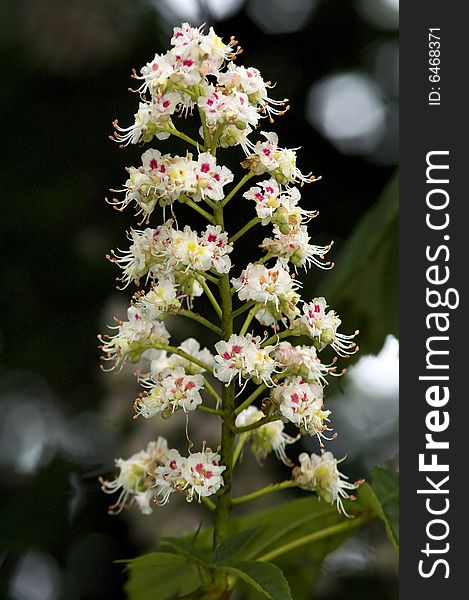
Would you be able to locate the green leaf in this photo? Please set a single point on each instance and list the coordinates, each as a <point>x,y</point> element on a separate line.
<point>184,548</point>
<point>161,575</point>
<point>286,523</point>
<point>363,284</point>
<point>234,544</point>
<point>385,484</point>
<point>263,577</point>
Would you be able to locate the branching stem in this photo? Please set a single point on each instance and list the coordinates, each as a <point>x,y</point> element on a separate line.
<point>248,319</point>
<point>181,353</point>
<point>210,295</point>
<point>197,208</point>
<point>252,223</point>
<point>236,189</point>
<point>273,487</point>
<point>202,320</point>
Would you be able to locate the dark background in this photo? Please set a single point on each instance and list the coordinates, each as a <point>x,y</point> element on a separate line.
<point>65,70</point>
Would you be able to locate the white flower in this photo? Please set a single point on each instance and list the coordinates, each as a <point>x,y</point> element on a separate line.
<point>132,480</point>
<point>303,361</point>
<point>302,404</point>
<point>280,163</point>
<point>169,391</point>
<point>155,74</point>
<point>164,179</point>
<point>243,357</point>
<point>202,473</point>
<point>136,261</point>
<point>265,438</point>
<point>133,337</point>
<point>228,115</point>
<point>322,327</point>
<point>217,241</point>
<point>265,286</point>
<point>210,178</point>
<point>250,81</point>
<point>188,250</point>
<point>159,300</point>
<point>197,476</point>
<point>151,120</point>
<point>320,474</point>
<point>266,195</point>
<point>168,476</point>
<point>294,246</point>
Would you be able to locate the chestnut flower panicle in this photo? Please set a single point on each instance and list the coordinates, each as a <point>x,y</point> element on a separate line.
<point>262,387</point>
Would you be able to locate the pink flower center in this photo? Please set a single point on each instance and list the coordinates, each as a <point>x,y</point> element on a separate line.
<point>205,167</point>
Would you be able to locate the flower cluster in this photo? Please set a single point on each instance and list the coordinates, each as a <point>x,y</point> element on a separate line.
<point>172,254</point>
<point>242,357</point>
<point>169,391</point>
<point>279,163</point>
<point>319,473</point>
<point>277,206</point>
<point>162,179</point>
<point>267,438</point>
<point>272,288</point>
<point>191,74</point>
<point>150,476</point>
<point>322,326</point>
<point>199,475</point>
<point>134,482</point>
<point>133,337</point>
<point>301,403</point>
<point>304,361</point>
<point>176,264</point>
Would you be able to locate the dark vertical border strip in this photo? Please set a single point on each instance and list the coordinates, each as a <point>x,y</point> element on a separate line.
<point>434,398</point>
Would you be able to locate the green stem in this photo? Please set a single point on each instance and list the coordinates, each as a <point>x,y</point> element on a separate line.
<point>183,354</point>
<point>214,141</point>
<point>249,318</point>
<point>196,207</point>
<point>243,438</point>
<point>209,411</point>
<point>222,511</point>
<point>210,296</point>
<point>283,334</point>
<point>211,390</point>
<point>185,90</point>
<point>264,259</point>
<point>208,276</point>
<point>208,503</point>
<point>202,320</point>
<point>242,309</point>
<point>273,487</point>
<point>256,393</point>
<point>322,534</point>
<point>250,399</point>
<point>203,120</point>
<point>257,424</point>
<point>244,229</point>
<point>236,189</point>
<point>183,136</point>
